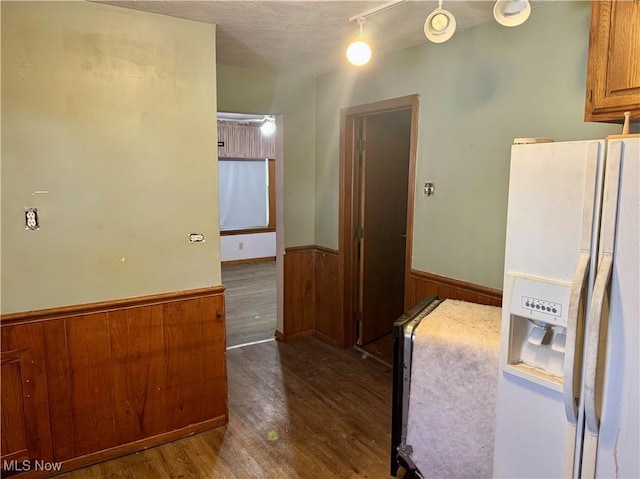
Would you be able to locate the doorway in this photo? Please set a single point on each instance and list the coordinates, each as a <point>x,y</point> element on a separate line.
<point>251,224</point>
<point>377,184</point>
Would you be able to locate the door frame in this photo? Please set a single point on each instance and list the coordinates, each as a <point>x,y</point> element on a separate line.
<point>348,203</point>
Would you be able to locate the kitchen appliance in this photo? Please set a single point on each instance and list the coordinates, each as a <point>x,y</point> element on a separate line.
<point>568,397</point>
<point>445,372</point>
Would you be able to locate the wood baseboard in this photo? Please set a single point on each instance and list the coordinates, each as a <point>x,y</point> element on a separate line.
<point>286,338</point>
<point>265,259</point>
<point>326,338</point>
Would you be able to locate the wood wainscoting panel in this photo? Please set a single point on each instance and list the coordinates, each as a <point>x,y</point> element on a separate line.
<point>328,318</point>
<point>58,380</point>
<point>299,305</point>
<point>138,374</point>
<point>115,378</point>
<point>91,382</point>
<point>314,301</point>
<point>214,373</point>
<point>184,372</point>
<point>422,284</point>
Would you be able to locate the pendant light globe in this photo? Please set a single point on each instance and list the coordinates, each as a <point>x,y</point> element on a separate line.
<point>359,53</point>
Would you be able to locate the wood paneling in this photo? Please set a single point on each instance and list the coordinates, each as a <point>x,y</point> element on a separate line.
<point>138,375</point>
<point>102,306</point>
<point>299,304</point>
<point>328,324</point>
<point>182,330</point>
<point>112,379</point>
<point>313,295</point>
<point>422,284</point>
<point>214,394</point>
<point>59,388</point>
<point>91,382</point>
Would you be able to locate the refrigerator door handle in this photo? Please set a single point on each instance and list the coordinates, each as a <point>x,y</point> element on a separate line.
<point>593,337</point>
<point>592,420</point>
<point>571,372</point>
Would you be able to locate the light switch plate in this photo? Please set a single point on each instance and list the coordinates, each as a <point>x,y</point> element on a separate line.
<point>429,188</point>
<point>196,238</point>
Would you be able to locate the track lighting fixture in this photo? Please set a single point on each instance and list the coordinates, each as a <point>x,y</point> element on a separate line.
<point>359,52</point>
<point>440,25</point>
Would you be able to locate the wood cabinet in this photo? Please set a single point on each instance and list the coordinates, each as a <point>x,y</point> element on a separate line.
<point>613,71</point>
<point>19,417</point>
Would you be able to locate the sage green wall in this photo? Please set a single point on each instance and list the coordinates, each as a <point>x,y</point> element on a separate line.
<point>478,91</point>
<point>109,129</point>
<point>242,90</point>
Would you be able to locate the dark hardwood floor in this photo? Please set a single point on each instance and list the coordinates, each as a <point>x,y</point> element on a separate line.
<point>250,300</point>
<point>380,349</point>
<point>297,410</point>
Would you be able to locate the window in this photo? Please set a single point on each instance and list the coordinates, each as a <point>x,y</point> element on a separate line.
<point>246,192</point>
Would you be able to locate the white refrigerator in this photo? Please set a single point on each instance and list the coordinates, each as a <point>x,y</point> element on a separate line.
<point>568,397</point>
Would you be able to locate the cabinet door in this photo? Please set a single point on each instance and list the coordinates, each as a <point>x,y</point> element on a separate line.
<point>17,409</point>
<point>613,72</point>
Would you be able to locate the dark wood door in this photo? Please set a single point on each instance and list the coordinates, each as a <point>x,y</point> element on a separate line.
<point>383,194</point>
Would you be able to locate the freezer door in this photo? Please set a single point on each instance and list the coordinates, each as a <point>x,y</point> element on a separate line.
<point>612,369</point>
<point>554,194</point>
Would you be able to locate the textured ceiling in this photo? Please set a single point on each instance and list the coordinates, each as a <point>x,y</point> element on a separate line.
<point>308,36</point>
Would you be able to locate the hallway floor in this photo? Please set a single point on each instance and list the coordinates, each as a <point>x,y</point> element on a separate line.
<point>250,301</point>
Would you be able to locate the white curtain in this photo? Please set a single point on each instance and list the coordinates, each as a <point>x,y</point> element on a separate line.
<point>244,193</point>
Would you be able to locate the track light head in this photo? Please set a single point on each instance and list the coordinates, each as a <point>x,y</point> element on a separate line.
<point>359,52</point>
<point>511,13</point>
<point>440,25</point>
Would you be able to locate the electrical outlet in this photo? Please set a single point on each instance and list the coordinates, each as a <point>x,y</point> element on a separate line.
<point>31,221</point>
<point>240,245</point>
